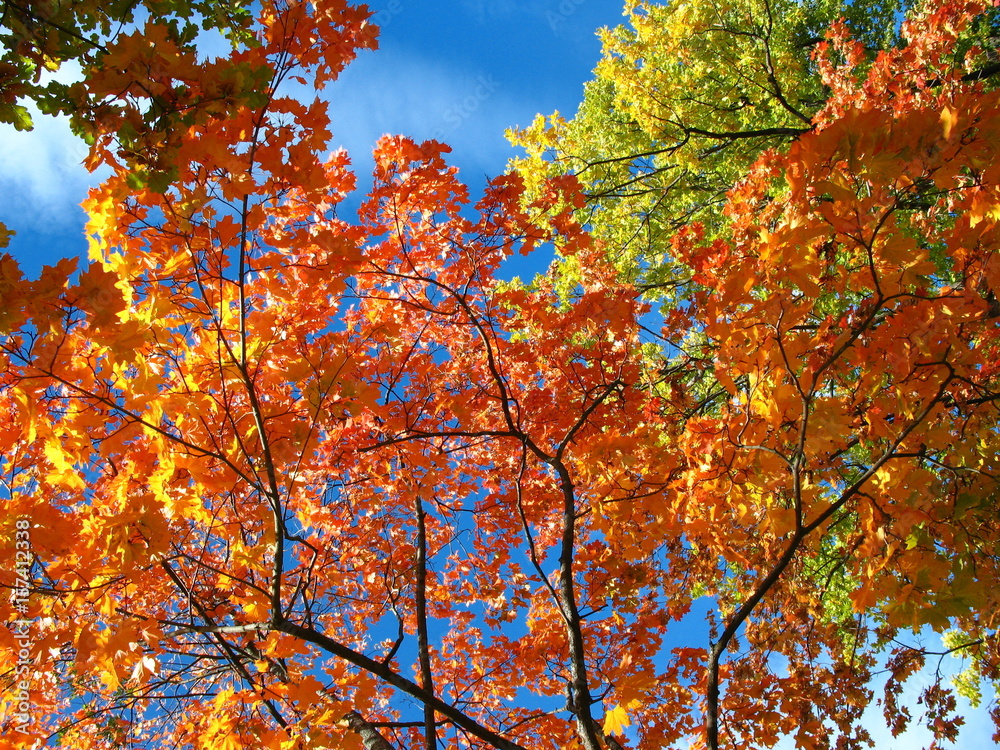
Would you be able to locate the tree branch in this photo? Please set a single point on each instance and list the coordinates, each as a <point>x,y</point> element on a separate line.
<point>395,679</point>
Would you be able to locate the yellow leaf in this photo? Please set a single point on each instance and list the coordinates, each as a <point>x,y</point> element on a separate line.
<point>948,119</point>
<point>782,520</point>
<point>616,720</point>
<point>63,471</point>
<point>144,669</point>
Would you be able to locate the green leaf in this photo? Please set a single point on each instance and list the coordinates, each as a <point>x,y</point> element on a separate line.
<point>17,115</point>
<point>137,179</point>
<point>159,181</point>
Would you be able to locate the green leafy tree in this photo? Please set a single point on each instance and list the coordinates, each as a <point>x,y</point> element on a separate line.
<point>685,99</point>
<point>41,35</point>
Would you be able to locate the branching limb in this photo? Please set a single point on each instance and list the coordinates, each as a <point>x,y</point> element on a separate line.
<point>383,672</point>
<point>423,647</point>
<point>370,736</point>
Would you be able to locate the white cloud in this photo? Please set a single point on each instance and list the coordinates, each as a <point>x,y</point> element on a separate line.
<point>399,93</point>
<point>41,172</point>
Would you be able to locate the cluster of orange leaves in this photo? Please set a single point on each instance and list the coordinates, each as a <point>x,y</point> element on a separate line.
<point>260,447</point>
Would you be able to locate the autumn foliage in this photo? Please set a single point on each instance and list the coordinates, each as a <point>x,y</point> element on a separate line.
<point>287,479</point>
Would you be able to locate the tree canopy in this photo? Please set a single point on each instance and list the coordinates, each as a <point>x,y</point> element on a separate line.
<point>686,98</point>
<point>273,477</point>
<point>42,35</point>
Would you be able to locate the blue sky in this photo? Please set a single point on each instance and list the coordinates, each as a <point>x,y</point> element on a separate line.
<point>461,72</point>
<point>464,71</point>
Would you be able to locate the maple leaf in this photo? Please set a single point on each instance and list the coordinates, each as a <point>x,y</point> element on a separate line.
<point>617,720</point>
